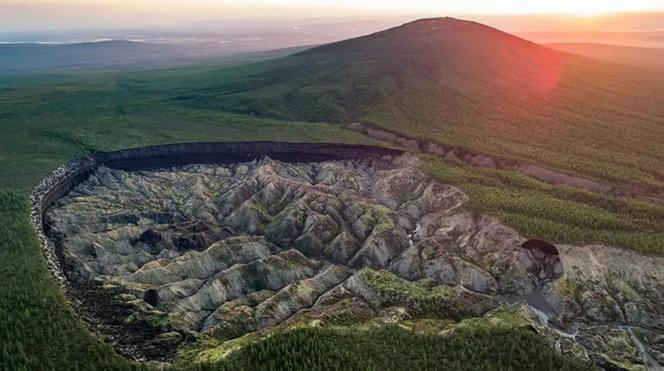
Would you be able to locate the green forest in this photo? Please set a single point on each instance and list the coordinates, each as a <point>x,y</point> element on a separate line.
<point>47,119</point>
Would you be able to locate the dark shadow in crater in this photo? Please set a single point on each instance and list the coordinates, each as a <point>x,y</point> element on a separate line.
<point>544,259</point>
<point>542,247</point>
<point>151,297</point>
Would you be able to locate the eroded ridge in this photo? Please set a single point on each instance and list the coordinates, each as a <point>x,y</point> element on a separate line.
<point>223,250</point>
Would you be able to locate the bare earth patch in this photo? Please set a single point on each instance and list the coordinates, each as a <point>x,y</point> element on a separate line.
<point>223,250</point>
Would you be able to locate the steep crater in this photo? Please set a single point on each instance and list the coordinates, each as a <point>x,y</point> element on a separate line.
<point>162,256</point>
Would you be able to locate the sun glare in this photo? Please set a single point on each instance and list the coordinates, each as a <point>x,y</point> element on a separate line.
<point>584,9</point>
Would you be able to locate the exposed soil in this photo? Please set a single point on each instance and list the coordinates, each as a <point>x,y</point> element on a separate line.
<point>225,249</point>
<point>474,158</point>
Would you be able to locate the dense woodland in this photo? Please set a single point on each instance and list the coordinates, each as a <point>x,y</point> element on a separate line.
<point>393,348</point>
<point>51,118</point>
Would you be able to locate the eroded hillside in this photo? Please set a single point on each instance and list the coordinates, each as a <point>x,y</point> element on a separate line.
<point>165,258</point>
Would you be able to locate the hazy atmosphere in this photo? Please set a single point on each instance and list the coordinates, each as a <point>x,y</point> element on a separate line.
<point>76,14</point>
<point>332,185</point>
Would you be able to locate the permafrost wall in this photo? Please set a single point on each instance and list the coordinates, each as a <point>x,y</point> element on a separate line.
<point>67,176</point>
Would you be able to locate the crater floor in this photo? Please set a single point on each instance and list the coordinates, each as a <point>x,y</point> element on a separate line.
<point>223,250</point>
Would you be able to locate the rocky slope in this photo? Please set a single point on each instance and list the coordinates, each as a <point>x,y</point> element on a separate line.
<point>225,250</point>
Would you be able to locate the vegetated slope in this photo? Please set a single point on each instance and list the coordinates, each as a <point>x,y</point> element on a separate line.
<point>49,119</point>
<point>647,58</point>
<point>38,330</point>
<point>463,83</point>
<point>384,349</point>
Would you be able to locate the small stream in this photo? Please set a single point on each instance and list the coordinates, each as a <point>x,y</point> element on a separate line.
<point>649,361</point>
<point>418,226</point>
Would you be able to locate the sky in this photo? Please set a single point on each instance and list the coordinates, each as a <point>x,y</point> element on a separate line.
<point>24,15</point>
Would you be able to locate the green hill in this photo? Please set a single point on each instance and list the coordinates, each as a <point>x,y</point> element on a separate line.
<point>457,82</point>
<point>465,84</point>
